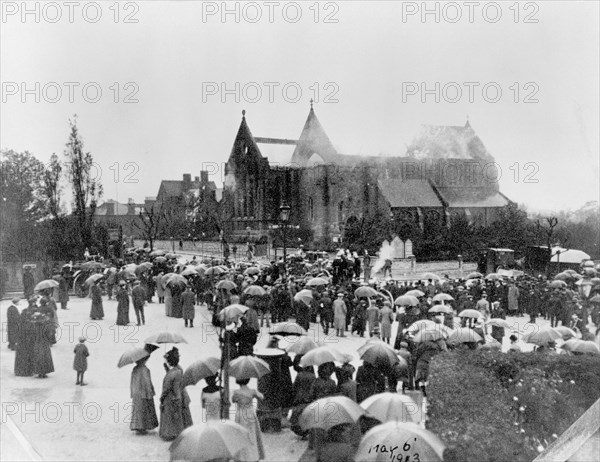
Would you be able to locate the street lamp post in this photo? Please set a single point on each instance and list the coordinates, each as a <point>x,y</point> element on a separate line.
<point>284,216</point>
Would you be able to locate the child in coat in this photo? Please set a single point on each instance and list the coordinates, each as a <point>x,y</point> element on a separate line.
<point>80,361</point>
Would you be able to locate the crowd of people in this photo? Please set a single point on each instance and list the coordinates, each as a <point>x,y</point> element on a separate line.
<point>322,294</point>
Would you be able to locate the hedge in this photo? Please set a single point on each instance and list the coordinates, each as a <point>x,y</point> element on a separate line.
<point>492,406</point>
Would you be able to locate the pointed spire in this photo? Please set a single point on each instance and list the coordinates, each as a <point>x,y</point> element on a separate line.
<point>243,113</point>
<point>467,125</point>
<point>311,104</point>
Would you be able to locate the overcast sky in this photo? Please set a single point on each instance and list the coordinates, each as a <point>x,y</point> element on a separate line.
<point>363,63</point>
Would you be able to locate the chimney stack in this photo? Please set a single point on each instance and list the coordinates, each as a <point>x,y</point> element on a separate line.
<point>187,181</point>
<point>203,176</point>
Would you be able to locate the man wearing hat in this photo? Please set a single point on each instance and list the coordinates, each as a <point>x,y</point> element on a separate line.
<point>138,296</point>
<point>12,323</point>
<point>339,315</point>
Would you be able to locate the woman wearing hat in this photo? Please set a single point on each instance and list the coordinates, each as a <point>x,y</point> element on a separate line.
<point>339,315</point>
<point>174,401</point>
<point>97,311</point>
<point>386,318</point>
<point>123,304</point>
<point>12,323</point>
<point>143,414</point>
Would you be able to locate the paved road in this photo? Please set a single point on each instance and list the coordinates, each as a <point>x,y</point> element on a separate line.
<point>53,419</point>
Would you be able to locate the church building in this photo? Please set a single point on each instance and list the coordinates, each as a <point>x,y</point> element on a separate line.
<point>445,171</point>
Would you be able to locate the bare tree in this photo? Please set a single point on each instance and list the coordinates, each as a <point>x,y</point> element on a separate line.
<point>151,223</point>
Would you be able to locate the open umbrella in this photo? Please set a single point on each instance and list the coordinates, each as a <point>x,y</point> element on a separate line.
<point>379,354</point>
<point>304,296</point>
<point>432,276</point>
<point>232,313</point>
<point>463,335</point>
<point>142,267</point>
<point>328,412</point>
<point>189,272</point>
<point>255,291</point>
<point>320,355</point>
<point>493,277</point>
<point>499,323</point>
<point>595,299</point>
<point>365,292</point>
<point>226,284</point>
<point>46,284</point>
<point>428,336</point>
<point>171,255</point>
<point>200,370</point>
<point>302,346</point>
<point>415,293</point>
<point>92,265</point>
<point>166,337</point>
<point>474,275</point>
<point>157,253</point>
<point>387,407</point>
<point>542,336</point>
<point>94,278</point>
<point>287,328</point>
<point>160,259</point>
<point>247,367</point>
<point>595,281</point>
<point>581,346</point>
<point>411,442</point>
<point>252,271</point>
<point>443,298</point>
<point>469,313</point>
<point>176,280</point>
<point>406,300</point>
<point>214,271</point>
<point>210,440</point>
<point>563,277</point>
<point>557,284</point>
<point>314,282</point>
<point>135,354</point>
<point>441,309</point>
<point>565,332</point>
<point>423,324</point>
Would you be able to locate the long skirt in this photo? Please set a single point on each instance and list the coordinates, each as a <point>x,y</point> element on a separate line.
<point>143,415</point>
<point>97,311</point>
<point>42,358</point>
<point>168,302</point>
<point>171,419</point>
<point>122,314</point>
<point>246,417</point>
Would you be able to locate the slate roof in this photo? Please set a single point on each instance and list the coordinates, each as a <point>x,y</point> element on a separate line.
<point>409,193</point>
<point>472,197</point>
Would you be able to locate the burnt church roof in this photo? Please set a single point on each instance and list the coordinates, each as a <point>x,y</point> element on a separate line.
<point>448,142</point>
<point>409,193</point>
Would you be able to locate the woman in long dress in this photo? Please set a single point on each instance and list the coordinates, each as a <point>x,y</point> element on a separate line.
<point>211,399</point>
<point>174,400</point>
<point>143,415</point>
<point>97,311</point>
<point>168,302</point>
<point>25,342</point>
<point>123,304</point>
<point>44,334</point>
<point>246,416</point>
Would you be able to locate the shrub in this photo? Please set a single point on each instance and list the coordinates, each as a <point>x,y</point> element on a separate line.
<point>492,406</point>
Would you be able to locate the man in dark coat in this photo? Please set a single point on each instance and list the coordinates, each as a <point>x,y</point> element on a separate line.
<point>326,312</point>
<point>138,296</point>
<point>12,324</point>
<point>28,282</point>
<point>63,292</point>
